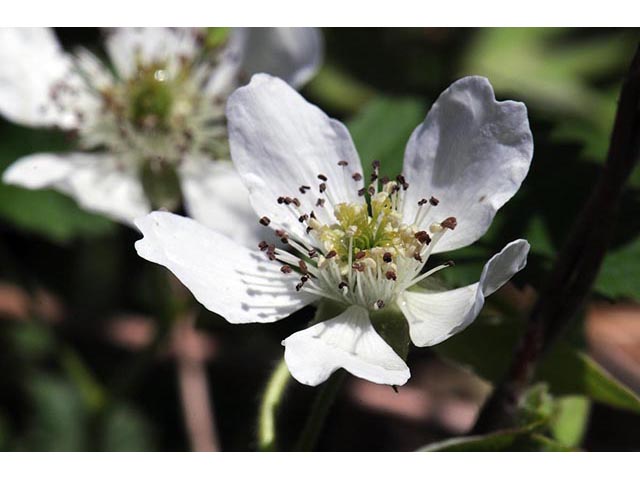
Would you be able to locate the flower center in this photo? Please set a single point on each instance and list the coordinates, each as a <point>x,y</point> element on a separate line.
<point>150,97</point>
<point>160,113</point>
<point>367,253</point>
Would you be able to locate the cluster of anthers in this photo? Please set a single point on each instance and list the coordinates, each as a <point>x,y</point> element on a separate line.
<point>158,113</point>
<point>368,255</point>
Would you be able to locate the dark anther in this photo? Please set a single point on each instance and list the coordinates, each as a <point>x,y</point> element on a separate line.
<point>449,223</point>
<point>280,200</point>
<point>303,189</point>
<point>449,263</point>
<point>265,221</point>
<point>263,246</point>
<point>303,267</point>
<point>422,201</point>
<point>423,237</point>
<point>361,192</point>
<point>342,285</point>
<point>379,304</point>
<point>287,200</point>
<point>357,176</point>
<point>322,177</point>
<point>360,255</point>
<point>418,257</point>
<point>434,201</point>
<point>387,257</point>
<point>312,215</point>
<point>358,266</point>
<point>343,163</point>
<point>309,229</point>
<point>313,253</point>
<point>402,181</point>
<point>371,190</point>
<point>303,217</point>
<point>285,269</point>
<point>304,279</point>
<point>322,187</point>
<point>374,177</point>
<point>384,180</point>
<point>391,275</point>
<point>319,203</point>
<point>299,286</point>
<point>296,202</point>
<point>331,254</point>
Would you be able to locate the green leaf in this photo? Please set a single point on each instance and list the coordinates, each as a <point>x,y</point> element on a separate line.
<point>570,419</point>
<point>570,372</point>
<point>381,130</point>
<point>487,347</point>
<point>336,89</point>
<point>620,272</point>
<point>58,420</point>
<point>513,440</point>
<point>126,430</point>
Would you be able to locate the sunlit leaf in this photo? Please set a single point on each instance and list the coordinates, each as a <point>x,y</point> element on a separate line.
<point>569,423</point>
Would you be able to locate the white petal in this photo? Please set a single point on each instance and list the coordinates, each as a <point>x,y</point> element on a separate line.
<point>347,341</point>
<point>471,153</point>
<point>226,76</point>
<point>293,54</point>
<point>95,181</point>
<point>215,196</point>
<point>239,284</point>
<point>32,62</point>
<point>280,142</point>
<point>127,46</point>
<point>435,316</point>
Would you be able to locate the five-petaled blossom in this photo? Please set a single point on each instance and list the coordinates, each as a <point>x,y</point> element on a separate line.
<point>149,124</point>
<point>360,244</point>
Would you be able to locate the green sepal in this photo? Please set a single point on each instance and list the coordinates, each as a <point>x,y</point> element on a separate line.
<point>393,328</point>
<point>161,185</point>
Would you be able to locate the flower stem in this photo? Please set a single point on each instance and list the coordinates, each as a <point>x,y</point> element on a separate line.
<point>271,400</point>
<point>319,411</point>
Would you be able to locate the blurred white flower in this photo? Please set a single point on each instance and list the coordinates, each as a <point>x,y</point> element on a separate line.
<point>149,123</point>
<point>366,258</point>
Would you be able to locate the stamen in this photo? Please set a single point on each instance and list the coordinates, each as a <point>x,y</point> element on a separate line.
<point>423,237</point>
<point>343,163</point>
<point>451,223</point>
<point>322,177</point>
<point>304,188</point>
<point>265,221</point>
<point>286,269</point>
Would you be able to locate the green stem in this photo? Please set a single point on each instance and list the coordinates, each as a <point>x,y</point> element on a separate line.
<point>271,400</point>
<point>319,411</point>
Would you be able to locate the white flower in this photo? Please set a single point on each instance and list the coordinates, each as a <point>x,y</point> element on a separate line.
<point>305,180</point>
<point>153,121</point>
